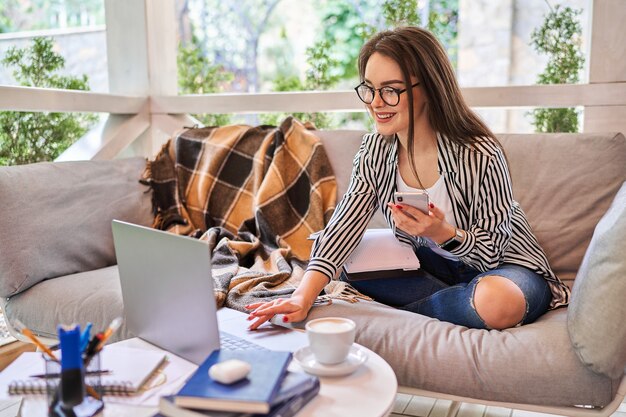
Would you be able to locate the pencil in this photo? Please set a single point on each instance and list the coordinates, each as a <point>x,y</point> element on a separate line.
<point>19,326</point>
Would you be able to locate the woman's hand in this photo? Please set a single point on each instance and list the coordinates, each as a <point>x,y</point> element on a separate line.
<point>432,225</point>
<point>295,308</point>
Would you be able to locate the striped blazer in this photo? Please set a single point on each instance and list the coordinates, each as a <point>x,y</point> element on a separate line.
<point>479,186</point>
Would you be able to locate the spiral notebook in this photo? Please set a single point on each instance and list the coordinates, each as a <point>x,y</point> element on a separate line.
<point>132,371</point>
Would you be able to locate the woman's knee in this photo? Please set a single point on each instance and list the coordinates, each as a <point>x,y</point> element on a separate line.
<point>499,302</point>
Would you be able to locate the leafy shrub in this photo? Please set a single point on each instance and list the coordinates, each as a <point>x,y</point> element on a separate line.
<point>560,38</point>
<point>27,137</point>
<point>197,76</point>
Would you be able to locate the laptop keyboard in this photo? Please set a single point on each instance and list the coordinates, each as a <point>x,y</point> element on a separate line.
<point>231,342</point>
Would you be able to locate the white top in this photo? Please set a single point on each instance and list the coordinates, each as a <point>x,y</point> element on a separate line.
<point>438,195</point>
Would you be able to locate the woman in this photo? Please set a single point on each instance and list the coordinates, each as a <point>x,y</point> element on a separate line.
<point>481,266</point>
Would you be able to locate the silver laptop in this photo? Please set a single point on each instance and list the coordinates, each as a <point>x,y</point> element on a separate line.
<point>167,290</point>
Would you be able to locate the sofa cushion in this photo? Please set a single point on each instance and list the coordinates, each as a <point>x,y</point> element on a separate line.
<point>522,365</point>
<point>598,309</point>
<point>93,296</point>
<point>56,217</point>
<point>565,182</point>
<point>341,146</point>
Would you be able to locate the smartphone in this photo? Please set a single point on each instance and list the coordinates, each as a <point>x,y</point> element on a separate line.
<point>417,199</point>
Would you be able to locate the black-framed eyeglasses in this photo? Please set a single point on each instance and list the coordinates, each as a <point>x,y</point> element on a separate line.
<point>390,95</point>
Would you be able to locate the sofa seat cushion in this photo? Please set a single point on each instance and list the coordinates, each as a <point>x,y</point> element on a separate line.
<point>597,311</point>
<point>532,364</point>
<point>93,296</point>
<point>56,217</point>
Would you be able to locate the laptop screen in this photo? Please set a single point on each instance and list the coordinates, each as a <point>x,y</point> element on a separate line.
<point>167,290</point>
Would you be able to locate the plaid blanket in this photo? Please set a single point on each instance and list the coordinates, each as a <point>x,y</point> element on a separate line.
<point>256,194</point>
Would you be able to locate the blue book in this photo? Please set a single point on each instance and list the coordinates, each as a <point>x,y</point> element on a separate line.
<point>254,394</point>
<point>287,408</point>
<point>295,383</point>
<point>291,406</point>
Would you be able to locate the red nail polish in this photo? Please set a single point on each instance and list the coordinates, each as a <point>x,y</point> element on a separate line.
<point>431,205</point>
<point>285,319</point>
<point>398,206</point>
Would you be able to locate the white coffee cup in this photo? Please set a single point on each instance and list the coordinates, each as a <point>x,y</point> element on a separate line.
<point>330,339</point>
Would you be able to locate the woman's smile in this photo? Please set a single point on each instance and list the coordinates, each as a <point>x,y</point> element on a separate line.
<point>384,117</point>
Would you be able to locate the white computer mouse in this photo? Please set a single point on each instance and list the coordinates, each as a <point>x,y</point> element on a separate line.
<point>229,371</point>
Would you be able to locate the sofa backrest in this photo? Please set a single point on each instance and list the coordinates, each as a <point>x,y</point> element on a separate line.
<point>56,217</point>
<point>341,147</point>
<point>564,182</point>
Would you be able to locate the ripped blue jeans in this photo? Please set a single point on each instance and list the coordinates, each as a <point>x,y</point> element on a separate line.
<point>444,289</point>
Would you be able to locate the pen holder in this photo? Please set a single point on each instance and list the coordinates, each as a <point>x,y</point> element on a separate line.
<point>72,394</point>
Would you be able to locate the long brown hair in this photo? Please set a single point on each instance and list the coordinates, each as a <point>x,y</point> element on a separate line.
<point>419,54</point>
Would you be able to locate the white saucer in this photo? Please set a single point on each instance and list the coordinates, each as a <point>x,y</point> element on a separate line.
<point>355,359</point>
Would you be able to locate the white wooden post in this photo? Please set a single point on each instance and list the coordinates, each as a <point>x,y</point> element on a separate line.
<point>128,69</point>
<point>607,63</point>
<point>141,48</point>
<point>162,37</point>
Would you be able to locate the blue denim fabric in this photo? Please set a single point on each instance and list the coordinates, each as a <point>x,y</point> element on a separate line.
<point>444,289</point>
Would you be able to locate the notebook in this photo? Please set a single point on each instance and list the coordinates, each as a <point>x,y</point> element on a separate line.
<point>134,368</point>
<point>131,371</point>
<point>253,394</point>
<point>11,407</point>
<point>380,255</point>
<point>379,250</point>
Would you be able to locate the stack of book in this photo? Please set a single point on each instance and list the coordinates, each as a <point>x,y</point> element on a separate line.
<point>268,390</point>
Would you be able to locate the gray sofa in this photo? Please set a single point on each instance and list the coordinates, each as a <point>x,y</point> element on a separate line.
<point>57,264</point>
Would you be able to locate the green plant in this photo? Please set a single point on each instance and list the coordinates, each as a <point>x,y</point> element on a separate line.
<point>443,22</point>
<point>319,76</point>
<point>559,37</point>
<point>5,21</point>
<point>197,76</point>
<point>333,57</point>
<point>401,13</point>
<point>27,137</point>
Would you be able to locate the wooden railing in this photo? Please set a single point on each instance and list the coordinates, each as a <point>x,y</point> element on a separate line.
<point>132,116</point>
<point>41,99</point>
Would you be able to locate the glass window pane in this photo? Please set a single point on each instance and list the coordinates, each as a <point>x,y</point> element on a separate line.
<point>77,31</point>
<point>495,40</point>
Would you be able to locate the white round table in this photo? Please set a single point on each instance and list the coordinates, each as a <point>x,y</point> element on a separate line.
<point>369,391</point>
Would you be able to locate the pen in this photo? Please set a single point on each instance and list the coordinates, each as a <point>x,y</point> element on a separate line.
<point>97,342</point>
<point>115,324</point>
<point>88,373</point>
<point>20,327</point>
<point>91,349</point>
<point>84,337</point>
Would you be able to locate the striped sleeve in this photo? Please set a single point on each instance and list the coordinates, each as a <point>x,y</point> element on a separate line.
<point>346,227</point>
<point>490,231</point>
